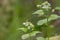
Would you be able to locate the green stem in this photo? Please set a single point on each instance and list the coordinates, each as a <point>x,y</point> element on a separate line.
<point>47,29</point>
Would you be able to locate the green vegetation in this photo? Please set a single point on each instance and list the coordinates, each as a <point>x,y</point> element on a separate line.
<point>28,19</point>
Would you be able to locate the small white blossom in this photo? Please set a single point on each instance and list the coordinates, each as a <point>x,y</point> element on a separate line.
<point>53,10</point>
<point>38,5</point>
<point>46,5</point>
<point>29,25</point>
<point>26,23</point>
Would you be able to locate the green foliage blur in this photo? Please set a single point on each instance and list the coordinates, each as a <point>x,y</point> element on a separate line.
<point>12,15</point>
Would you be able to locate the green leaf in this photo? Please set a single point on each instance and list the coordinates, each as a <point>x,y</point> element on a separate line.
<point>40,38</point>
<point>34,33</point>
<point>41,22</point>
<point>52,17</point>
<point>25,36</point>
<point>39,12</point>
<point>22,29</point>
<point>57,8</point>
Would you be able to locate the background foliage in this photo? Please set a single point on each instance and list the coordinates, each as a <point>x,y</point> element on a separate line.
<point>14,12</point>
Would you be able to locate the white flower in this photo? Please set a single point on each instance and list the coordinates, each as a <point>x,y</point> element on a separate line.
<point>29,25</point>
<point>38,5</point>
<point>53,10</point>
<point>46,5</point>
<point>26,23</point>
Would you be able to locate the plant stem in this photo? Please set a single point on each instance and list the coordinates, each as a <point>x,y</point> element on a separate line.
<point>29,36</point>
<point>47,28</point>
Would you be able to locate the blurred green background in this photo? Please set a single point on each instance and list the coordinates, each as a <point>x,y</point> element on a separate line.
<point>14,12</point>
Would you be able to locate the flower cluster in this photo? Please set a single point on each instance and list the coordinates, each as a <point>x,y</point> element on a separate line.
<point>29,25</point>
<point>45,5</point>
